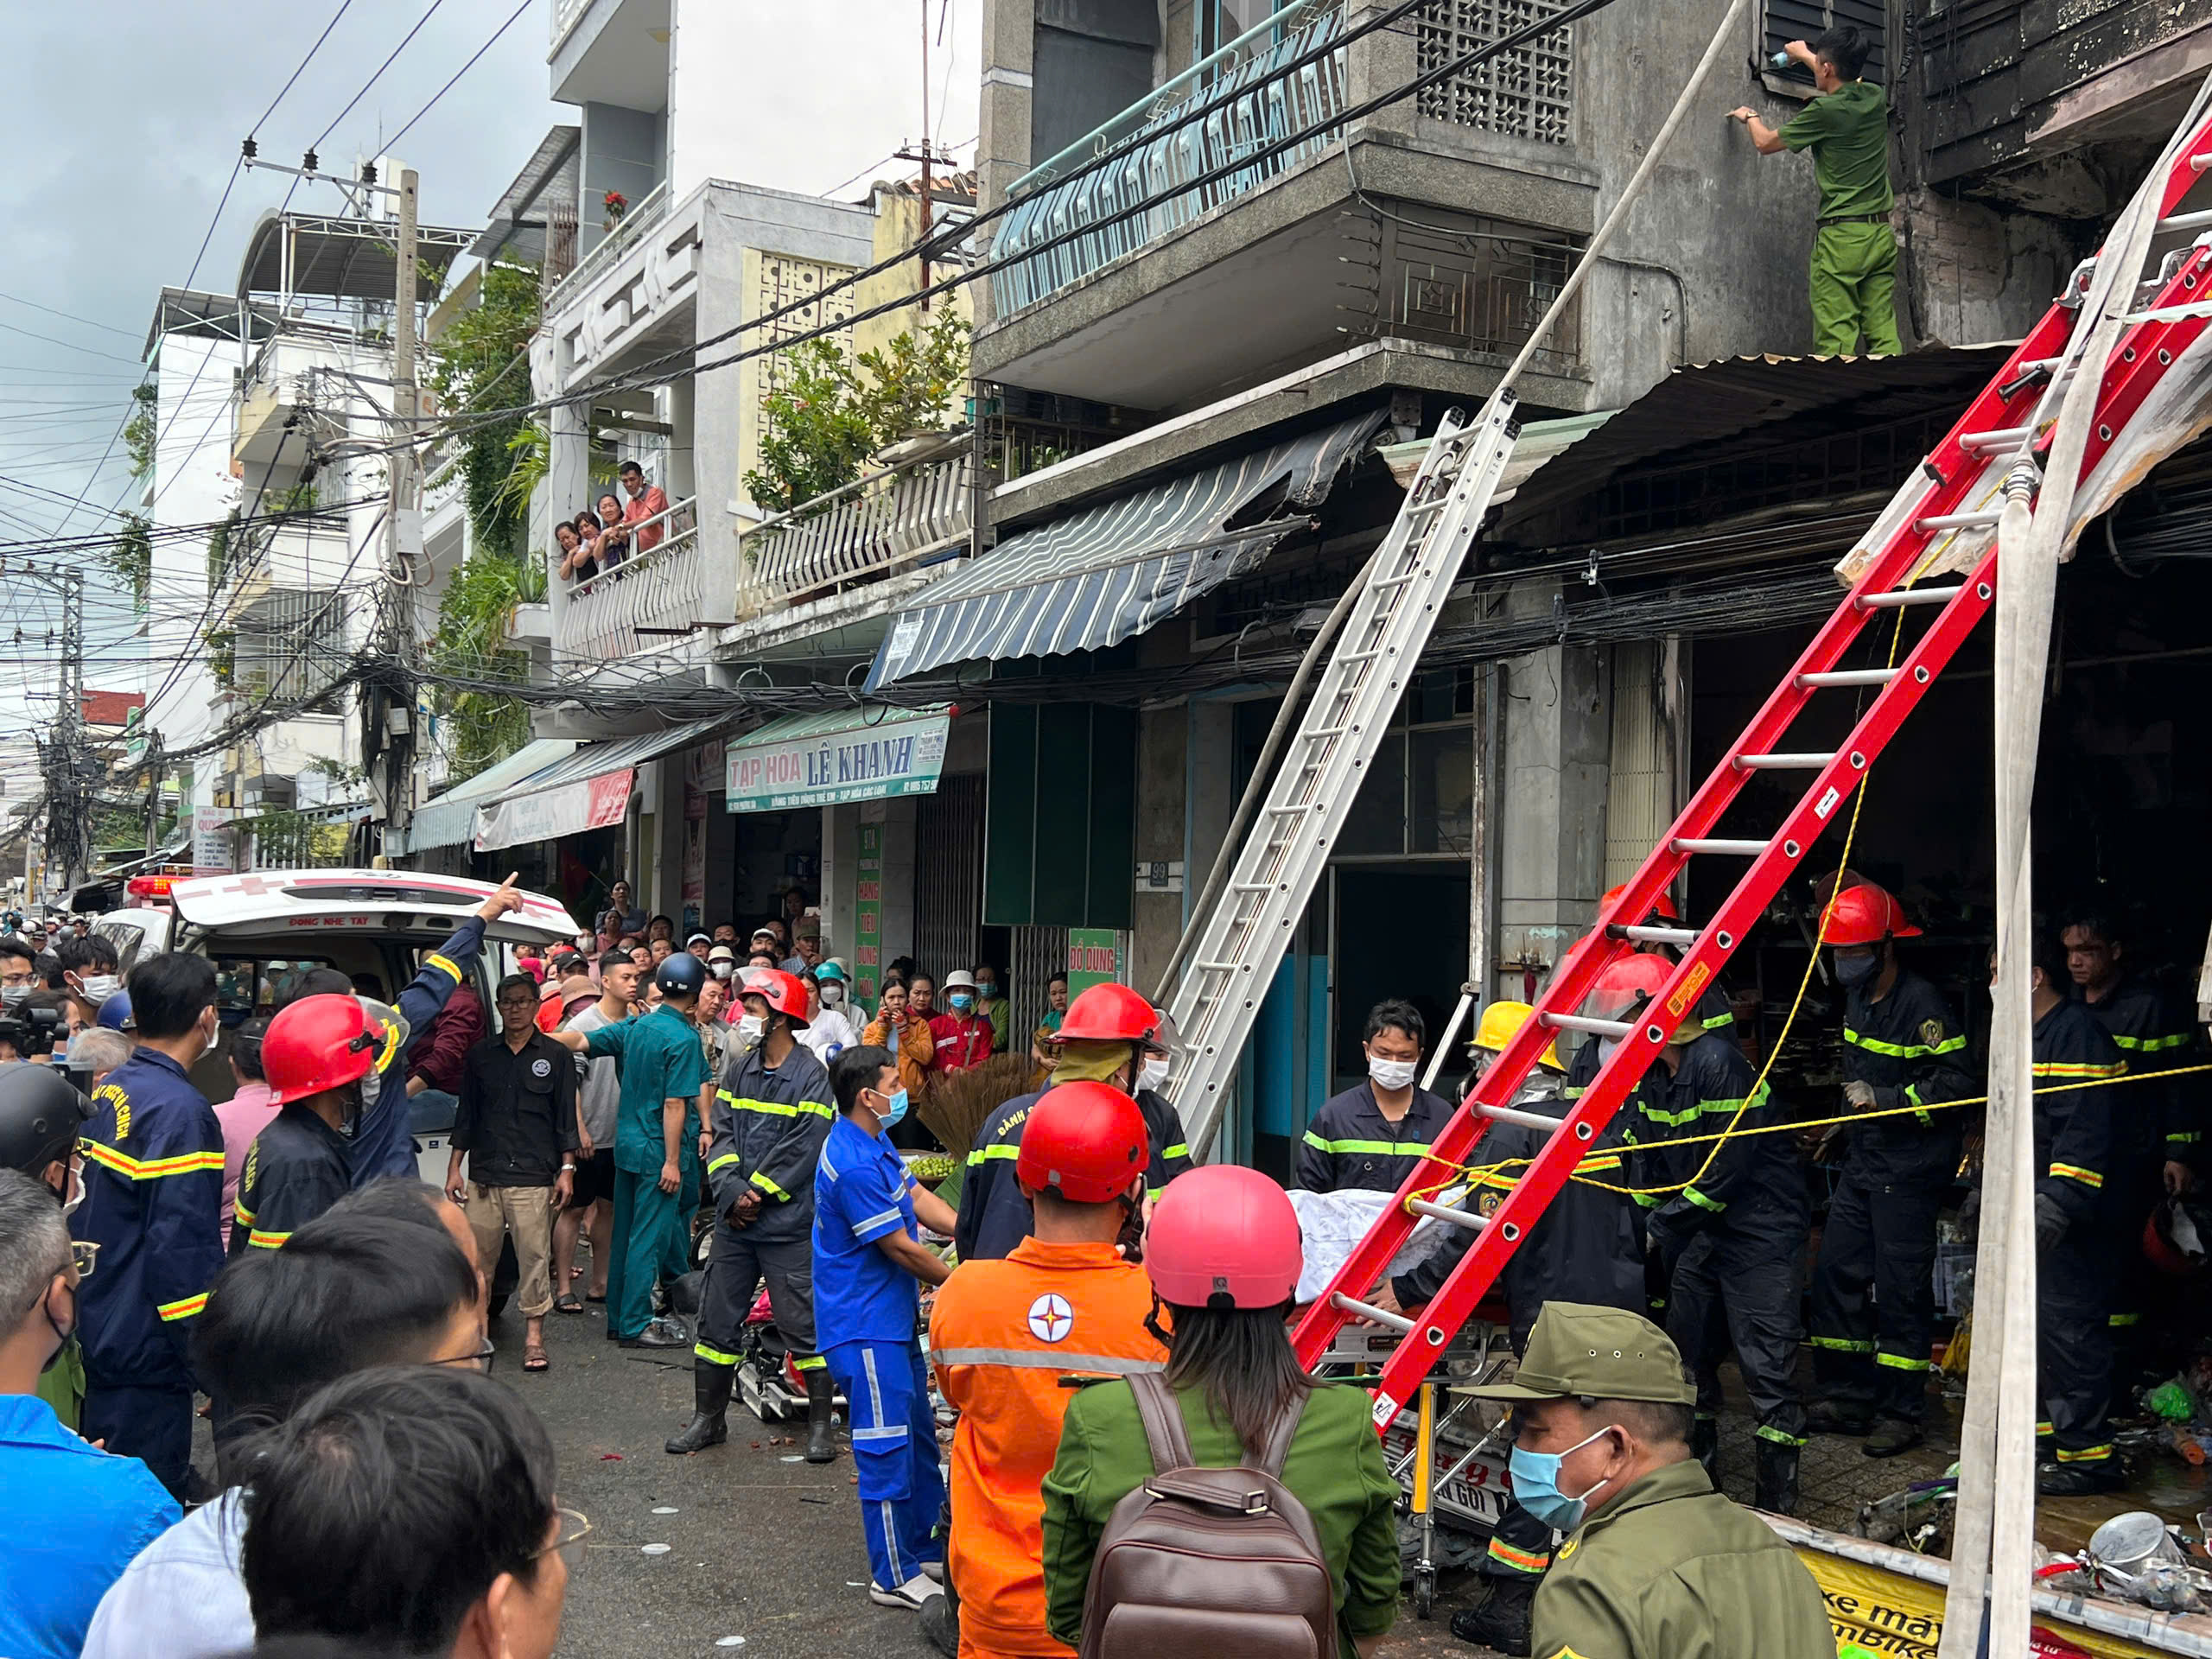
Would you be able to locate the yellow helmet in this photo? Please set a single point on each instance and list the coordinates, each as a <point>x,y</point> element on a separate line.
<point>1500,1022</point>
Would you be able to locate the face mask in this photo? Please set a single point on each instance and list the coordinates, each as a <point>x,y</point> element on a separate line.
<point>61,1337</point>
<point>1535,1485</point>
<point>962,1002</point>
<point>894,1110</point>
<point>1391,1074</point>
<point>722,969</point>
<point>13,996</point>
<point>751,1028</point>
<point>100,987</point>
<point>987,989</point>
<point>1855,971</point>
<point>1154,1074</point>
<point>1607,1047</point>
<point>833,994</point>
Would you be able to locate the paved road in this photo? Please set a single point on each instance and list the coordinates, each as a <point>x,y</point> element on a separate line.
<point>743,1543</point>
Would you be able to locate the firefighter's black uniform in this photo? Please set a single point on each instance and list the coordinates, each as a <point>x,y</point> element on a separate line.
<point>296,1168</point>
<point>1880,1233</point>
<point>767,1124</point>
<point>1736,1238</point>
<point>1587,1247</point>
<point>994,1215</point>
<point>2156,1123</point>
<point>2075,1146</point>
<point>1352,1147</point>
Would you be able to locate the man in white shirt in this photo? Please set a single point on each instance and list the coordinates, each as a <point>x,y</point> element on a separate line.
<point>591,1204</point>
<point>361,1285</point>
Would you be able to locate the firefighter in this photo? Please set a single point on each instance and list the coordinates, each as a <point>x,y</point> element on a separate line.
<point>1110,1034</point>
<point>322,1056</point>
<point>153,1205</point>
<point>1732,1245</point>
<point>1005,1336</point>
<point>2078,1244</point>
<point>1369,1138</point>
<point>768,1121</point>
<point>1642,1117</point>
<point>1901,1048</point>
<point>1585,1249</point>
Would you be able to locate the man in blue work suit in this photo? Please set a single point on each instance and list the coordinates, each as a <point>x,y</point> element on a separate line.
<point>664,1070</point>
<point>153,1172</point>
<point>869,1262</point>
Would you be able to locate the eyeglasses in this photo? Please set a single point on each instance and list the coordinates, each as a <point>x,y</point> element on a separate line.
<point>482,1359</point>
<point>85,1256</point>
<point>575,1526</point>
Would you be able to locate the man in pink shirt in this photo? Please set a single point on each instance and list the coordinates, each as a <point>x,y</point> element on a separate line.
<point>245,1114</point>
<point>646,501</point>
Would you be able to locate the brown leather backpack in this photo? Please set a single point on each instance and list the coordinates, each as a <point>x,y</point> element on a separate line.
<point>1201,1563</point>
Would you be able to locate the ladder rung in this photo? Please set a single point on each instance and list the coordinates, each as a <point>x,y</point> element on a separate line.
<point>1359,655</point>
<point>2003,437</point>
<point>2199,163</point>
<point>1726,848</point>
<point>1397,1322</point>
<point>1514,1115</point>
<point>1847,677</point>
<point>1806,762</point>
<point>2186,221</point>
<point>1399,581</point>
<point>1251,886</point>
<point>1472,1223</point>
<point>1912,596</point>
<point>1685,937</point>
<point>1986,519</point>
<point>1584,1022</point>
<point>1216,967</point>
<point>1326,731</point>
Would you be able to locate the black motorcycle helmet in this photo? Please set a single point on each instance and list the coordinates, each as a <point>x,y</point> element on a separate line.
<point>39,1114</point>
<point>681,974</point>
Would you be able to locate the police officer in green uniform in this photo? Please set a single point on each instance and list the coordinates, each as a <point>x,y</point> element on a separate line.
<point>1853,287</point>
<point>1657,1564</point>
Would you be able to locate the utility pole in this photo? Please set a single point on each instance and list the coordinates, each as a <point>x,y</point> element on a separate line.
<point>402,538</point>
<point>153,794</point>
<point>69,735</point>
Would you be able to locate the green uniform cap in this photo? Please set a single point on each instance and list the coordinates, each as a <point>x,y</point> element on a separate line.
<point>1600,1353</point>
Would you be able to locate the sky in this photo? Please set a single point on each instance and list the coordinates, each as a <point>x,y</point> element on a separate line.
<point>130,114</point>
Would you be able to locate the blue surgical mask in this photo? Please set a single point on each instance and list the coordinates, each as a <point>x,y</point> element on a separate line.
<point>894,1110</point>
<point>1535,1485</point>
<point>962,1002</point>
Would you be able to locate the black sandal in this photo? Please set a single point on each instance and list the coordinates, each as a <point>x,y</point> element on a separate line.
<point>568,1303</point>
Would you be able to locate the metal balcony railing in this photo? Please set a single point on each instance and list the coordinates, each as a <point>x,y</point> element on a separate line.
<point>565,13</point>
<point>645,213</point>
<point>1251,101</point>
<point>650,600</point>
<point>889,520</point>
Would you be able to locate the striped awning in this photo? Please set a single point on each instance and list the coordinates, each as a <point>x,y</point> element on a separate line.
<point>1109,572</point>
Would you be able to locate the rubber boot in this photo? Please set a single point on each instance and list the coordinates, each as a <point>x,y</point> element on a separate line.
<point>1705,1446</point>
<point>710,1387</point>
<point>1501,1620</point>
<point>821,1431</point>
<point>1776,1486</point>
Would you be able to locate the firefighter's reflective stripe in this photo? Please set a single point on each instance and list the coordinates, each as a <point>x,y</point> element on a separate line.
<point>1006,1149</point>
<point>776,1108</point>
<point>148,1169</point>
<point>1904,1050</point>
<point>1519,1561</point>
<point>1900,1363</point>
<point>715,1356</point>
<point>1376,1148</point>
<point>256,1239</point>
<point>2089,1178</point>
<point>2085,1070</point>
<point>443,964</point>
<point>184,1309</point>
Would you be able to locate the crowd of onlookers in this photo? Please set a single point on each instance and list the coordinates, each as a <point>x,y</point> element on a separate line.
<point>613,528</point>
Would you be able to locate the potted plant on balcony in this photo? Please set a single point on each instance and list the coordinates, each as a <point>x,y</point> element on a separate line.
<point>616,204</point>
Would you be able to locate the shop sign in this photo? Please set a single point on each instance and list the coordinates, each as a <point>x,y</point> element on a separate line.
<point>213,851</point>
<point>1094,957</point>
<point>867,915</point>
<point>548,814</point>
<point>1877,1612</point>
<point>900,756</point>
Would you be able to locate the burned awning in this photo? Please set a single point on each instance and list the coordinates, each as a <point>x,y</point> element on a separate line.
<point>1106,573</point>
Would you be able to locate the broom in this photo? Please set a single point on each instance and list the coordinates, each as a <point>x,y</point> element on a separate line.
<point>959,1101</point>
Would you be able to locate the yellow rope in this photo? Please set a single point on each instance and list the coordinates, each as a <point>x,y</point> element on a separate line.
<point>1480,1172</point>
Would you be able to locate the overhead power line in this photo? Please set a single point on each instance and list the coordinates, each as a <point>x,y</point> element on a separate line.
<point>377,76</point>
<point>68,316</point>
<point>297,73</point>
<point>393,141</point>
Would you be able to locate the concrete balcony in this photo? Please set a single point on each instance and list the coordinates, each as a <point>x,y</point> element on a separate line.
<point>636,293</point>
<point>609,51</point>
<point>911,514</point>
<point>653,599</point>
<point>1269,231</point>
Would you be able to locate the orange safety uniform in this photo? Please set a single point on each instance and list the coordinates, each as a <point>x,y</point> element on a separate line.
<point>1002,1335</point>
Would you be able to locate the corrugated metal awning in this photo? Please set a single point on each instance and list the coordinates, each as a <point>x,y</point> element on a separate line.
<point>450,820</point>
<point>588,790</point>
<point>1107,573</point>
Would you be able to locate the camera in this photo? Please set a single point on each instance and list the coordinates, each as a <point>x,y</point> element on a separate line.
<point>31,1032</point>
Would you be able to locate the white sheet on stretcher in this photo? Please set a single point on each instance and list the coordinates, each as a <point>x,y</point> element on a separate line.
<point>1333,1223</point>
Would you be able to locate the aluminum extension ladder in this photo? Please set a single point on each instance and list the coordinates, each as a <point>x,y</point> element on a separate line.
<point>1964,482</point>
<point>1234,960</point>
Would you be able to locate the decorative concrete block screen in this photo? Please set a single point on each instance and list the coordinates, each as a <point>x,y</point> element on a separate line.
<point>1527,92</point>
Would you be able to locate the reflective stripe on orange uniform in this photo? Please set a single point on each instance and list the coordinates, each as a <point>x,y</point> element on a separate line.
<point>1002,1335</point>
